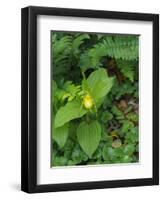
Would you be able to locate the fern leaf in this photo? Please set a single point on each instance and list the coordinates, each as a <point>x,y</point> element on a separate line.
<point>117,46</point>
<point>127,68</point>
<point>79,40</point>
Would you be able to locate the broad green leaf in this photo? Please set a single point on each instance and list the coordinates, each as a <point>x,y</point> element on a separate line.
<point>95,76</point>
<point>89,136</point>
<point>101,88</point>
<point>72,110</point>
<point>99,84</point>
<point>60,135</point>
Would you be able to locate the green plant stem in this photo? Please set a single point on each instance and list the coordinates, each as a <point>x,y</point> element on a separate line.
<point>83,75</point>
<point>87,119</point>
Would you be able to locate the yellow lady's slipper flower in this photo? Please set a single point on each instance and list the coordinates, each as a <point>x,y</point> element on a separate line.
<point>88,102</point>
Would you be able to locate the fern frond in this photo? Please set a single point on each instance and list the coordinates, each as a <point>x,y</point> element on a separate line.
<point>65,50</point>
<point>60,52</point>
<point>79,40</point>
<point>127,68</point>
<point>62,44</point>
<point>125,47</point>
<point>118,47</point>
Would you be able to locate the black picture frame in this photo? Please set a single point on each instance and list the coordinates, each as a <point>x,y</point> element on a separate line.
<point>29,99</point>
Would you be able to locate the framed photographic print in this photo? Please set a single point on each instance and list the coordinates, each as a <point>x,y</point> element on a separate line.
<point>90,99</point>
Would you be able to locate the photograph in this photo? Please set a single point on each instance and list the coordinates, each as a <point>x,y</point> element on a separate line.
<point>90,99</point>
<point>94,98</point>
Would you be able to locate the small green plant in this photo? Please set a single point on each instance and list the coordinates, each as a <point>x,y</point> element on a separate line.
<point>82,101</point>
<point>94,99</point>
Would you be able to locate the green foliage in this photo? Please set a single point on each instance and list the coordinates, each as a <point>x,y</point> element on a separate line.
<point>89,136</point>
<point>65,52</point>
<point>60,135</point>
<point>127,125</point>
<point>118,47</point>
<point>99,84</point>
<point>60,160</point>
<point>127,68</point>
<point>94,99</point>
<point>70,111</point>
